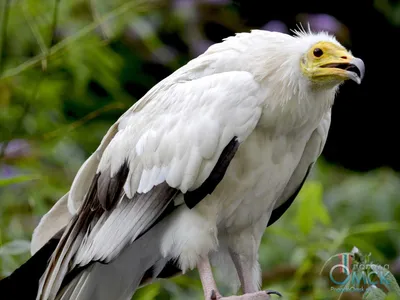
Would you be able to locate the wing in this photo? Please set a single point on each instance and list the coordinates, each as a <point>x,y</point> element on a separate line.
<point>63,210</point>
<point>51,223</point>
<point>172,143</point>
<point>311,152</point>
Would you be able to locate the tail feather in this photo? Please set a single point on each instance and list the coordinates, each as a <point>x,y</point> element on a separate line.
<point>72,238</point>
<point>58,266</point>
<point>23,283</point>
<point>119,278</point>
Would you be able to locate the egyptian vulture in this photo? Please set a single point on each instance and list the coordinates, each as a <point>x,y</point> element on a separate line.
<point>193,173</point>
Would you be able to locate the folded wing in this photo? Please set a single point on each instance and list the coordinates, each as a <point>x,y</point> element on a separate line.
<point>169,143</point>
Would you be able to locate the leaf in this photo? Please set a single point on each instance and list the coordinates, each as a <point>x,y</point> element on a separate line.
<point>284,233</point>
<point>374,227</point>
<point>148,292</point>
<point>17,179</point>
<point>8,265</point>
<point>392,296</point>
<point>366,246</point>
<point>305,267</point>
<point>15,247</point>
<point>137,5</point>
<point>311,207</point>
<point>374,293</point>
<point>387,279</point>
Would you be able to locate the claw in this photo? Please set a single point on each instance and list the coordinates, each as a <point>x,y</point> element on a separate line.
<point>272,292</point>
<point>213,295</point>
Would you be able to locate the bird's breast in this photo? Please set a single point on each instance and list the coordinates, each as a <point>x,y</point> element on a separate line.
<point>255,179</point>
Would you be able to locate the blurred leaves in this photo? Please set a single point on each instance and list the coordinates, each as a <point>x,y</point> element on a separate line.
<point>17,179</point>
<point>149,292</point>
<point>137,6</point>
<point>374,227</point>
<point>373,293</point>
<point>389,280</point>
<point>15,248</point>
<point>312,240</point>
<point>391,10</point>
<point>311,207</point>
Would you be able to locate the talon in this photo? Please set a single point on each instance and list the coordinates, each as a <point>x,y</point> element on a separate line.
<point>213,295</point>
<point>272,292</point>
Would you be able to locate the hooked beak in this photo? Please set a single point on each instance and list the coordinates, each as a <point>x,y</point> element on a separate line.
<point>353,68</point>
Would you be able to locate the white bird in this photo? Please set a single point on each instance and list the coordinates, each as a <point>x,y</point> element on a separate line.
<point>193,173</point>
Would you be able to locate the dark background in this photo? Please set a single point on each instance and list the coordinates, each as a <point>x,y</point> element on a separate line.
<point>365,118</point>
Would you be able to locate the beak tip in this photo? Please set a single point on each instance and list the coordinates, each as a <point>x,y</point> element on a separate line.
<point>359,64</point>
<point>354,77</point>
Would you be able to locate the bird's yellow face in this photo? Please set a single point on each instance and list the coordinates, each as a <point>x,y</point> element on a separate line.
<point>328,63</point>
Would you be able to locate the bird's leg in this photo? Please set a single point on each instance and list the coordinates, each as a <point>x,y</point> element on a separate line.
<point>210,287</point>
<point>207,279</point>
<point>244,268</point>
<point>248,278</point>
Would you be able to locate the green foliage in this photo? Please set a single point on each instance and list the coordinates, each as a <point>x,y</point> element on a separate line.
<point>310,199</point>
<point>16,179</point>
<point>373,293</point>
<point>64,69</point>
<point>391,9</point>
<point>364,270</point>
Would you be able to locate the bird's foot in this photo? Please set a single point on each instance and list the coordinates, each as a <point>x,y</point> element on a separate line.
<point>263,295</point>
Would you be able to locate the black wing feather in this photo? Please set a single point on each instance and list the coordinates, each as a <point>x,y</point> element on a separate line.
<point>23,283</point>
<point>192,198</point>
<point>109,188</point>
<point>279,211</point>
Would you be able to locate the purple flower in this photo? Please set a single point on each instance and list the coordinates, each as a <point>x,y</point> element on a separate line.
<point>200,46</point>
<point>179,4</point>
<point>16,148</point>
<point>275,25</point>
<point>217,2</point>
<point>7,171</point>
<point>322,22</point>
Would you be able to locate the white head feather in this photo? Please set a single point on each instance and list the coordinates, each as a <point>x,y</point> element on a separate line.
<point>274,60</point>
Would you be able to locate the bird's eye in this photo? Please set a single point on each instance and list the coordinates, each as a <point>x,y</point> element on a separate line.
<point>318,52</point>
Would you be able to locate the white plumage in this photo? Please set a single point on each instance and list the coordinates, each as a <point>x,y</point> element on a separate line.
<point>252,88</point>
